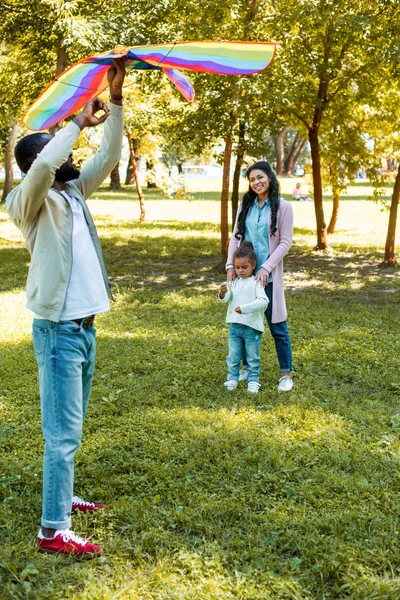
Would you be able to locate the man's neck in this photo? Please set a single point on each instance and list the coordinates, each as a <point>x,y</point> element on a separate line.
<point>58,185</point>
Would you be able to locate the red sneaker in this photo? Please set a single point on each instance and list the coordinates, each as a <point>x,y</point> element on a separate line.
<point>82,506</point>
<point>68,543</point>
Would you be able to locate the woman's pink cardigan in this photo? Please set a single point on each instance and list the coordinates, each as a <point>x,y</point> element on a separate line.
<point>278,247</point>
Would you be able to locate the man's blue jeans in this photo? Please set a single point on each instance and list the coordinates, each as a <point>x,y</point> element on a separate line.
<point>65,353</point>
<point>280,333</point>
<point>243,339</point>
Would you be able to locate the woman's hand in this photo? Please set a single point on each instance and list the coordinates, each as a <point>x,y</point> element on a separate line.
<point>230,275</point>
<point>262,275</point>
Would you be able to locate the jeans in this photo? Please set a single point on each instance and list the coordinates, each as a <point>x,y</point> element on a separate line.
<point>280,333</point>
<point>242,338</point>
<point>65,354</point>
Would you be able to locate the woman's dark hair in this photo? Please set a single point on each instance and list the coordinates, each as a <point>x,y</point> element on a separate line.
<point>246,250</point>
<point>250,196</point>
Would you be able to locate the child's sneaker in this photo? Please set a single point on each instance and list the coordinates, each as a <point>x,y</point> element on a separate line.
<point>66,542</point>
<point>285,384</point>
<point>231,384</point>
<point>79,505</point>
<point>243,375</point>
<point>253,387</point>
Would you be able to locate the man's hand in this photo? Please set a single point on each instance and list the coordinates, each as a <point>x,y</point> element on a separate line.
<point>88,118</point>
<point>223,290</point>
<point>237,309</point>
<point>115,78</point>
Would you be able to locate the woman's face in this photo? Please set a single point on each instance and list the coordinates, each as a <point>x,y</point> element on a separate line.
<point>259,182</point>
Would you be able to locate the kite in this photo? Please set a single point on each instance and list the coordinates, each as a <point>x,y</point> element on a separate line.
<point>87,78</point>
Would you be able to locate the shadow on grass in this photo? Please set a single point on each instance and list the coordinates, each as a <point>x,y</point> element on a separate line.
<point>13,268</point>
<point>103,223</point>
<point>204,481</point>
<point>276,488</point>
<point>129,193</point>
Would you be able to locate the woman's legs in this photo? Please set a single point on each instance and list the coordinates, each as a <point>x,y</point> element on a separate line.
<point>280,333</point>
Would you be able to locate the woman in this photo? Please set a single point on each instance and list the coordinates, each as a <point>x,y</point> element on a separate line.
<point>266,220</point>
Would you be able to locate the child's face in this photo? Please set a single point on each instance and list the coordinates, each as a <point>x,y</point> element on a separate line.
<point>244,267</point>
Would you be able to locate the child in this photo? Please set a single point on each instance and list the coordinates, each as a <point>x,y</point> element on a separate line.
<point>247,303</point>
<point>298,194</point>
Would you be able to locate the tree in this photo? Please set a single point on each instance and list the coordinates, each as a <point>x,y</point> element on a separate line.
<point>146,96</point>
<point>38,38</point>
<point>327,47</point>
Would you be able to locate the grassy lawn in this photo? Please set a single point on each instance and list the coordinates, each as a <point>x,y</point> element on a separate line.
<point>215,494</point>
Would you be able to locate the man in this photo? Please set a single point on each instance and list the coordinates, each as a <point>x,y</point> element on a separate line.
<point>67,285</point>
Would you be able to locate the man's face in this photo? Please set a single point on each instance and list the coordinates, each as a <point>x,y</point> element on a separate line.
<point>67,171</point>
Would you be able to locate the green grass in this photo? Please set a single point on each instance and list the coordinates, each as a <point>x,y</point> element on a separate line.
<point>215,495</point>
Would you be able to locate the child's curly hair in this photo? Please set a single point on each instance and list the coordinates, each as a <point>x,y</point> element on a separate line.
<point>246,250</point>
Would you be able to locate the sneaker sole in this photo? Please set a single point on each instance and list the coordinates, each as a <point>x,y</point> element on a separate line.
<point>86,556</point>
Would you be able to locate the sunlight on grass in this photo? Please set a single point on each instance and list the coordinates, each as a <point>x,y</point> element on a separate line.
<point>215,495</point>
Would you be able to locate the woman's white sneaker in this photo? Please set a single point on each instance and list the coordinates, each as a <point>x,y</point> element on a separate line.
<point>253,387</point>
<point>285,384</point>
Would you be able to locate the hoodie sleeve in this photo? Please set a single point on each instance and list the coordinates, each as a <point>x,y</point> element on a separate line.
<point>99,167</point>
<point>227,296</point>
<point>285,238</point>
<point>260,303</point>
<point>25,201</point>
<point>234,242</point>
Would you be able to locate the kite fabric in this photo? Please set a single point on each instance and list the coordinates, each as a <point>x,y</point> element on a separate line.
<point>88,78</point>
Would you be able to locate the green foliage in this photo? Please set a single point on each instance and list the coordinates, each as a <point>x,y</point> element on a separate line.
<point>215,495</point>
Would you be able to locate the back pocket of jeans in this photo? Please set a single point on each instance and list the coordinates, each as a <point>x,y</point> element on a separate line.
<point>39,337</point>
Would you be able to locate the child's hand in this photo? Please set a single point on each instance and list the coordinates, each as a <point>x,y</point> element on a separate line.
<point>237,309</point>
<point>223,290</point>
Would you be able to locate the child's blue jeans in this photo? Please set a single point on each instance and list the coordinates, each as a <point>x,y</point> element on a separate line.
<point>243,339</point>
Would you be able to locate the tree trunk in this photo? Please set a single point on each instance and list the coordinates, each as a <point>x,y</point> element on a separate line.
<point>280,150</point>
<point>390,256</point>
<point>115,181</point>
<point>236,174</point>
<point>129,173</point>
<point>151,182</point>
<point>251,10</point>
<point>225,177</point>
<point>290,157</point>
<point>135,159</point>
<point>225,198</point>
<point>322,239</point>
<point>294,154</point>
<point>335,211</point>
<point>8,163</point>
<point>62,64</point>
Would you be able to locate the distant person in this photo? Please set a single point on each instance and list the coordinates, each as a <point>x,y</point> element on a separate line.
<point>245,317</point>
<point>67,286</point>
<point>266,221</point>
<point>298,194</point>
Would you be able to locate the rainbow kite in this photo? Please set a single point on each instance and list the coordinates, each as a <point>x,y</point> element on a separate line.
<point>88,78</point>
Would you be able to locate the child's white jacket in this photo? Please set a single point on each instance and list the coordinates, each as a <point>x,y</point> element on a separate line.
<point>252,299</point>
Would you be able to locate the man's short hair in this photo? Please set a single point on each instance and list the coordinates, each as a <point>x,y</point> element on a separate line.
<point>28,148</point>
